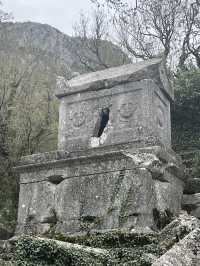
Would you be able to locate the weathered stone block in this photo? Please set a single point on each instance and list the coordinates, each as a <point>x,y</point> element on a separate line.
<point>99,191</point>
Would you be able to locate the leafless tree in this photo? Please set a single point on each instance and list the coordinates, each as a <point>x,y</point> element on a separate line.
<point>94,48</point>
<point>192,26</point>
<point>147,28</point>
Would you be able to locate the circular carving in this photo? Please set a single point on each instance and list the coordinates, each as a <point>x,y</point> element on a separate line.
<point>78,118</point>
<point>127,109</point>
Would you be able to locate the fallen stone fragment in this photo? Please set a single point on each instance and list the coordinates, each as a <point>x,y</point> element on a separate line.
<point>178,229</point>
<point>184,253</point>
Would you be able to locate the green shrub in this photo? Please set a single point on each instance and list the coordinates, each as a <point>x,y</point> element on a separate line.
<point>186,111</point>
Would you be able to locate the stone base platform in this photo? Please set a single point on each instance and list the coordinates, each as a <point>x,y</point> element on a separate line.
<point>99,189</point>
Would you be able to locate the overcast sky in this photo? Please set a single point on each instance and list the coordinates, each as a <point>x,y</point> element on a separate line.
<point>61,14</point>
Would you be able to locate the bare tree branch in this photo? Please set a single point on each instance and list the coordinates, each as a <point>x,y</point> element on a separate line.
<point>147,28</point>
<point>93,45</point>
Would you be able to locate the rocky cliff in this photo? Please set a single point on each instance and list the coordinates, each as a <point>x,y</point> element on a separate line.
<point>52,46</point>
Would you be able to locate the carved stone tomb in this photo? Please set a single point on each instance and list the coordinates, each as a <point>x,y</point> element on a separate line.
<point>114,167</point>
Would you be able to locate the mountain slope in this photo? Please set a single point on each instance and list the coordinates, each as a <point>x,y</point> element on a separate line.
<point>32,55</point>
<point>42,39</point>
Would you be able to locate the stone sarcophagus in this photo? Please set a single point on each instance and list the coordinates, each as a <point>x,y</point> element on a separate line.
<point>114,167</point>
<point>137,97</point>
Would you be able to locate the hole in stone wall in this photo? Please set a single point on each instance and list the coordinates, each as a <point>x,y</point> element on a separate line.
<point>55,179</point>
<point>101,123</point>
<point>89,219</point>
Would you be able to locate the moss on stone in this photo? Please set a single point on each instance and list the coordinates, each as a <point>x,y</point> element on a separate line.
<point>32,251</point>
<point>125,248</point>
<point>116,247</point>
<point>111,239</point>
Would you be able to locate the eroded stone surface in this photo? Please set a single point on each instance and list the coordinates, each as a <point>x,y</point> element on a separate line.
<point>102,190</point>
<point>137,97</point>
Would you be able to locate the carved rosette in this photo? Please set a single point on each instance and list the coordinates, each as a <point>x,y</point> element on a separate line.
<point>127,110</point>
<point>78,115</point>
